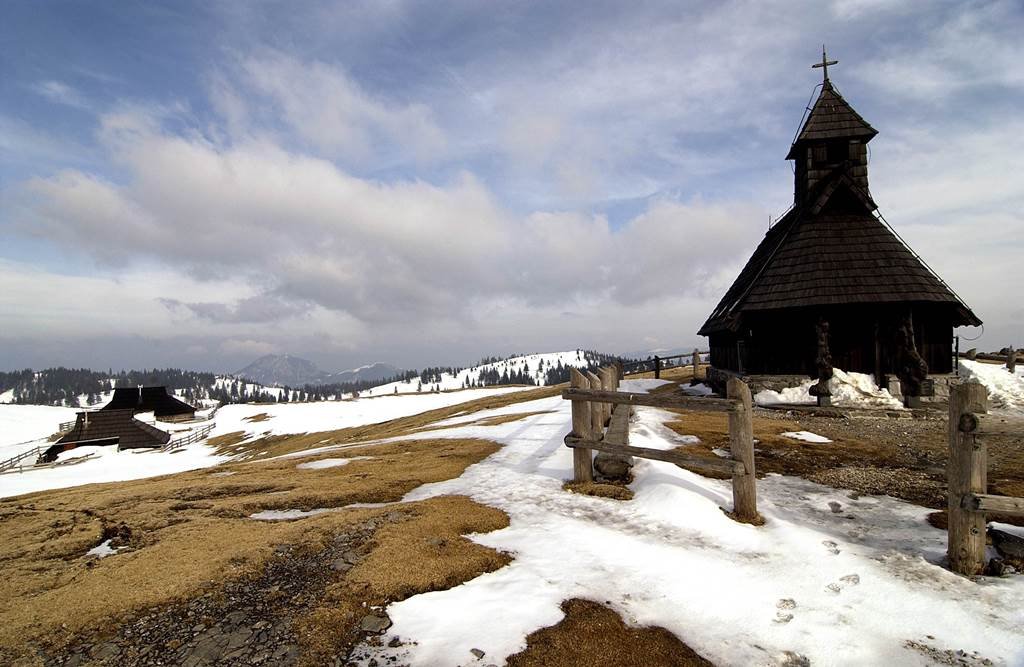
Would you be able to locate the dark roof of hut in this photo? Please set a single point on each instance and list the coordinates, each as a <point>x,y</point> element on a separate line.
<point>163,404</point>
<point>108,424</point>
<point>831,117</point>
<point>148,399</point>
<point>819,255</point>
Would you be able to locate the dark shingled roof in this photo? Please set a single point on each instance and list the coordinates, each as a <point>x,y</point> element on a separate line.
<point>148,399</point>
<point>831,117</point>
<point>109,424</point>
<point>817,256</point>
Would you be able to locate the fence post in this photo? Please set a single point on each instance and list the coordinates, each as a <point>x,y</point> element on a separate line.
<point>657,367</point>
<point>582,466</point>
<point>596,409</point>
<point>967,472</point>
<point>741,442</point>
<point>696,362</point>
<point>608,384</point>
<point>1011,360</point>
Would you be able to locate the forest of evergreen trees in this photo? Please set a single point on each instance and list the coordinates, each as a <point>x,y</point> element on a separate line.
<point>64,386</point>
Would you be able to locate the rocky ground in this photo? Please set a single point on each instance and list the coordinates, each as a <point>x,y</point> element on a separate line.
<point>250,621</point>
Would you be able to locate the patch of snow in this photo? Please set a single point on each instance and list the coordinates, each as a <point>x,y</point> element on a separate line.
<point>103,550</point>
<point>699,389</point>
<point>292,418</point>
<point>107,464</point>
<point>1005,390</point>
<point>330,463</point>
<point>864,581</point>
<point>806,436</point>
<point>291,515</point>
<point>23,427</point>
<point>848,389</point>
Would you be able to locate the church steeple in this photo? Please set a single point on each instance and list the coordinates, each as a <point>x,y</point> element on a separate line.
<point>834,137</point>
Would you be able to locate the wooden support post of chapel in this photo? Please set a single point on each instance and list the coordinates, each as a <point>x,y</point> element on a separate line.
<point>967,474</point>
<point>741,442</point>
<point>696,362</point>
<point>582,461</point>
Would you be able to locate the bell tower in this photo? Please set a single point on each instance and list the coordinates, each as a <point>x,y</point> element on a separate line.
<point>834,137</point>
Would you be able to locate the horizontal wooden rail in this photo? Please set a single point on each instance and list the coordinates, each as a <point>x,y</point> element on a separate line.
<point>986,502</point>
<point>987,424</point>
<point>653,400</point>
<point>728,467</point>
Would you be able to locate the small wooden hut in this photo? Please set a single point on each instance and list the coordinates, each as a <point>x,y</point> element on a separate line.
<point>832,283</point>
<point>104,428</point>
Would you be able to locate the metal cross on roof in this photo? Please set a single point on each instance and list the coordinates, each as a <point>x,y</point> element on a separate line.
<point>825,62</point>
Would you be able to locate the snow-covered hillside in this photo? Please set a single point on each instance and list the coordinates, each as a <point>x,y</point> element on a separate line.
<point>534,366</point>
<point>34,423</point>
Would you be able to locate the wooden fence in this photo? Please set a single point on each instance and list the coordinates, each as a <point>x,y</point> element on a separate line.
<point>657,364</point>
<point>967,475</point>
<point>592,399</point>
<point>193,436</point>
<point>17,461</point>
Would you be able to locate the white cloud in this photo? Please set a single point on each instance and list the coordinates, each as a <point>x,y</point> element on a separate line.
<point>61,93</point>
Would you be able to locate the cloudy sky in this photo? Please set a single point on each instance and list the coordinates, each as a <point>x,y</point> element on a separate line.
<point>199,184</point>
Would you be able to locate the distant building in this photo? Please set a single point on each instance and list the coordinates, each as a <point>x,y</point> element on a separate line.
<point>150,399</point>
<point>832,283</point>
<point>108,427</point>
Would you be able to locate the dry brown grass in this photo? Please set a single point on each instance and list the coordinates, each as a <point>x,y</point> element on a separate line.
<point>260,417</point>
<point>598,490</point>
<point>594,635</point>
<point>188,531</point>
<point>423,552</point>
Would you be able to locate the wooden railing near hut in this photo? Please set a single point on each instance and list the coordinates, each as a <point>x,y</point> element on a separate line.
<point>967,475</point>
<point>593,397</point>
<point>193,436</point>
<point>658,364</point>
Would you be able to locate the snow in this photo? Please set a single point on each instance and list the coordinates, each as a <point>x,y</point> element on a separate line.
<point>574,358</point>
<point>103,550</point>
<point>291,515</point>
<point>1008,528</point>
<point>23,427</point>
<point>864,580</point>
<point>320,464</point>
<point>806,436</point>
<point>107,464</point>
<point>1005,391</point>
<point>291,418</point>
<point>848,389</point>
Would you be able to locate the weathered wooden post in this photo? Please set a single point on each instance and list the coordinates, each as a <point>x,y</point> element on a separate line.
<point>582,466</point>
<point>1011,360</point>
<point>657,366</point>
<point>608,384</point>
<point>696,363</point>
<point>741,442</point>
<point>967,472</point>
<point>596,409</point>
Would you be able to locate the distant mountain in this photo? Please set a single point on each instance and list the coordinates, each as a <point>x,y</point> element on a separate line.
<point>284,369</point>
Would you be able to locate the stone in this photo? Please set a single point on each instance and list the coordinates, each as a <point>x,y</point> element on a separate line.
<point>477,653</point>
<point>104,651</point>
<point>341,565</point>
<point>612,466</point>
<point>374,624</point>
<point>1007,544</point>
<point>835,507</point>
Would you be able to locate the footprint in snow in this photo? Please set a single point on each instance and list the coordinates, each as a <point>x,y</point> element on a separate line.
<point>832,547</point>
<point>783,606</point>
<point>849,579</point>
